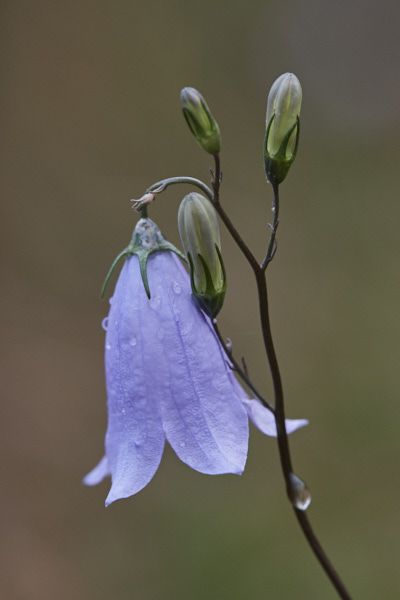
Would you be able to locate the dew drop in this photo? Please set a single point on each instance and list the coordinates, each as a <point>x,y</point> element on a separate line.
<point>176,287</point>
<point>104,323</point>
<point>108,346</point>
<point>299,493</point>
<point>182,444</point>
<point>111,300</point>
<point>132,341</point>
<point>154,302</point>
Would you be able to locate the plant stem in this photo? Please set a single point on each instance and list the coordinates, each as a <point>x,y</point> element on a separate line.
<point>240,371</point>
<point>160,186</point>
<point>279,411</point>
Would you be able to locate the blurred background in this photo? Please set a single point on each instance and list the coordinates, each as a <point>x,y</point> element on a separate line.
<point>90,118</point>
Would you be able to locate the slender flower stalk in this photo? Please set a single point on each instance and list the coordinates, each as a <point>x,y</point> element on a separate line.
<point>279,411</point>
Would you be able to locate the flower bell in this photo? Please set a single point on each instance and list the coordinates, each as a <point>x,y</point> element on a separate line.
<point>282,127</point>
<point>199,231</point>
<point>168,379</point>
<point>200,120</point>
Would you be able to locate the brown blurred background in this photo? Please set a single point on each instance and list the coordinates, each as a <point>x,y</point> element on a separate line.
<point>90,118</point>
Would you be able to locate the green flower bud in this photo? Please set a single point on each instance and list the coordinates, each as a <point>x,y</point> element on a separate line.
<point>283,127</point>
<point>200,120</point>
<point>199,231</point>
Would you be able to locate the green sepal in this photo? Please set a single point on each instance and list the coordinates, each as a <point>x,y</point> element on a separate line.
<point>277,166</point>
<point>211,300</point>
<point>110,272</point>
<point>146,239</point>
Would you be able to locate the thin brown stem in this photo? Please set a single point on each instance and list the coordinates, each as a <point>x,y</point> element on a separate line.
<point>279,412</point>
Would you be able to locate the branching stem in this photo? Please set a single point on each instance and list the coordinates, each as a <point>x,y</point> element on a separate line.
<point>259,271</point>
<point>278,409</point>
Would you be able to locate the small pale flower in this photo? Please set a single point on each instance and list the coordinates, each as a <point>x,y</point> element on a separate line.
<point>167,379</point>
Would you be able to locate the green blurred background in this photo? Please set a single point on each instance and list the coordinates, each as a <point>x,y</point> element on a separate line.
<point>90,118</point>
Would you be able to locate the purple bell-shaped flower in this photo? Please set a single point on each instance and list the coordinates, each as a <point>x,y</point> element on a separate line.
<point>168,379</point>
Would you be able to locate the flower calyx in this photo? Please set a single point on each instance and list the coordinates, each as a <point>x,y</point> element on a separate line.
<point>146,239</point>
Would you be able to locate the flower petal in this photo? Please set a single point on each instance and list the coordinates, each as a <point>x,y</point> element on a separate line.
<point>203,418</point>
<point>135,438</point>
<point>97,474</point>
<point>264,420</point>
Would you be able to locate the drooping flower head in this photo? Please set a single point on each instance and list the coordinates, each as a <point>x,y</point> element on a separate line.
<point>167,379</point>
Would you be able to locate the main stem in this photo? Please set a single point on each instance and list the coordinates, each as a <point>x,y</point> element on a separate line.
<point>279,412</point>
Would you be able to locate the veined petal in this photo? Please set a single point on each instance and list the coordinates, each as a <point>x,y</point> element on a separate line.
<point>264,420</point>
<point>203,418</point>
<point>135,437</point>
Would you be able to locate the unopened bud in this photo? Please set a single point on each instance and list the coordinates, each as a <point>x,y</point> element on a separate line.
<point>282,126</point>
<point>200,120</point>
<point>199,231</point>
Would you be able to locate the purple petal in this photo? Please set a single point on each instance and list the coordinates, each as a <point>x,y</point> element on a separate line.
<point>135,437</point>
<point>264,420</point>
<point>97,474</point>
<point>203,418</point>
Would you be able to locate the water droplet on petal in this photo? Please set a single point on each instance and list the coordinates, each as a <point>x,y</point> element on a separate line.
<point>104,323</point>
<point>299,493</point>
<point>111,300</point>
<point>176,287</point>
<point>108,346</point>
<point>182,444</point>
<point>132,341</point>
<point>154,302</point>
